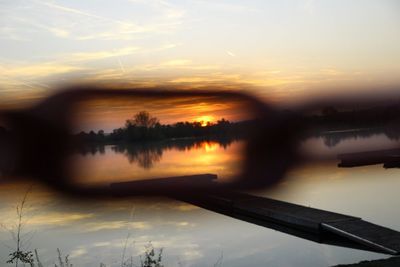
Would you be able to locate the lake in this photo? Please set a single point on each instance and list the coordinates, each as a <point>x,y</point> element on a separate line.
<point>94,232</point>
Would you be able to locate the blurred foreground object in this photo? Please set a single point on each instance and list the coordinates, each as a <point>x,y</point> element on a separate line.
<point>42,142</point>
<point>42,139</point>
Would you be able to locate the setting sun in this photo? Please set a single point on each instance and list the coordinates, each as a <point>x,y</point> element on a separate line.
<point>205,120</point>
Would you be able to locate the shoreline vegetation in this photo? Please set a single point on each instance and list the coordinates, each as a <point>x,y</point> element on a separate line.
<point>145,128</point>
<point>143,139</point>
<point>329,123</point>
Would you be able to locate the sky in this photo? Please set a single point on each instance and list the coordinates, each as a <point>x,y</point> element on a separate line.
<point>109,114</point>
<point>283,51</point>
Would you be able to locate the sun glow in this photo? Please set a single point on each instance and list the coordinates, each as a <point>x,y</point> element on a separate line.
<point>205,120</point>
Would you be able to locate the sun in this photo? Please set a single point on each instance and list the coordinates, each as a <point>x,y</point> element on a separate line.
<point>205,120</point>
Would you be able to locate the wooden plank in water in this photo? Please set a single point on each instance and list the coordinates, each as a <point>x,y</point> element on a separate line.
<point>391,157</point>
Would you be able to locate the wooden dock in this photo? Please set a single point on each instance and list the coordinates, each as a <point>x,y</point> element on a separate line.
<point>390,158</point>
<point>309,223</point>
<point>320,225</point>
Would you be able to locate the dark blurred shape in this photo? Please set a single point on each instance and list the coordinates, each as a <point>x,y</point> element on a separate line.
<point>7,155</point>
<point>43,138</point>
<point>39,141</point>
<point>390,158</point>
<point>165,186</point>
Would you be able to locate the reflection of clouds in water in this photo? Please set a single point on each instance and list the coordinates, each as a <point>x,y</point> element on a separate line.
<point>135,246</point>
<point>186,207</point>
<point>192,252</point>
<point>79,228</point>
<point>58,218</point>
<point>101,244</point>
<point>191,234</point>
<point>156,159</point>
<point>78,252</point>
<point>249,252</point>
<point>48,209</point>
<point>112,225</point>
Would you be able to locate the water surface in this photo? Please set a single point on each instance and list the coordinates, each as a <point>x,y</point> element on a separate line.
<point>97,231</point>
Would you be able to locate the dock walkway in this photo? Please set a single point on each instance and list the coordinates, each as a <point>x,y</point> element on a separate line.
<point>325,226</point>
<point>305,222</point>
<point>390,158</point>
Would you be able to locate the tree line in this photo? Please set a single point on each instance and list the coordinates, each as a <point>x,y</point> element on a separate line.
<point>330,119</point>
<point>144,127</point>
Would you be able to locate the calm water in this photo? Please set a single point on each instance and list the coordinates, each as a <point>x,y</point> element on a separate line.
<point>161,159</point>
<point>94,232</point>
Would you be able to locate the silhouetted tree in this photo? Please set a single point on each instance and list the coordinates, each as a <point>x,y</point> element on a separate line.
<point>142,119</point>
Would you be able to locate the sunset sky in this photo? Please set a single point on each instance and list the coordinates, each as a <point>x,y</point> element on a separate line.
<point>109,114</point>
<point>281,50</point>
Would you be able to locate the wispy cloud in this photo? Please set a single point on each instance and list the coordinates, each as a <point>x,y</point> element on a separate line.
<point>230,53</point>
<point>73,62</point>
<point>11,33</point>
<point>37,70</point>
<point>71,10</point>
<point>176,62</point>
<point>108,28</point>
<point>97,55</point>
<point>68,22</point>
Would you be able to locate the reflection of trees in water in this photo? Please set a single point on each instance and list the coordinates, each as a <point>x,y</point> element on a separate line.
<point>146,154</point>
<point>149,153</point>
<point>332,139</point>
<point>335,126</point>
<point>393,132</point>
<point>91,149</point>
